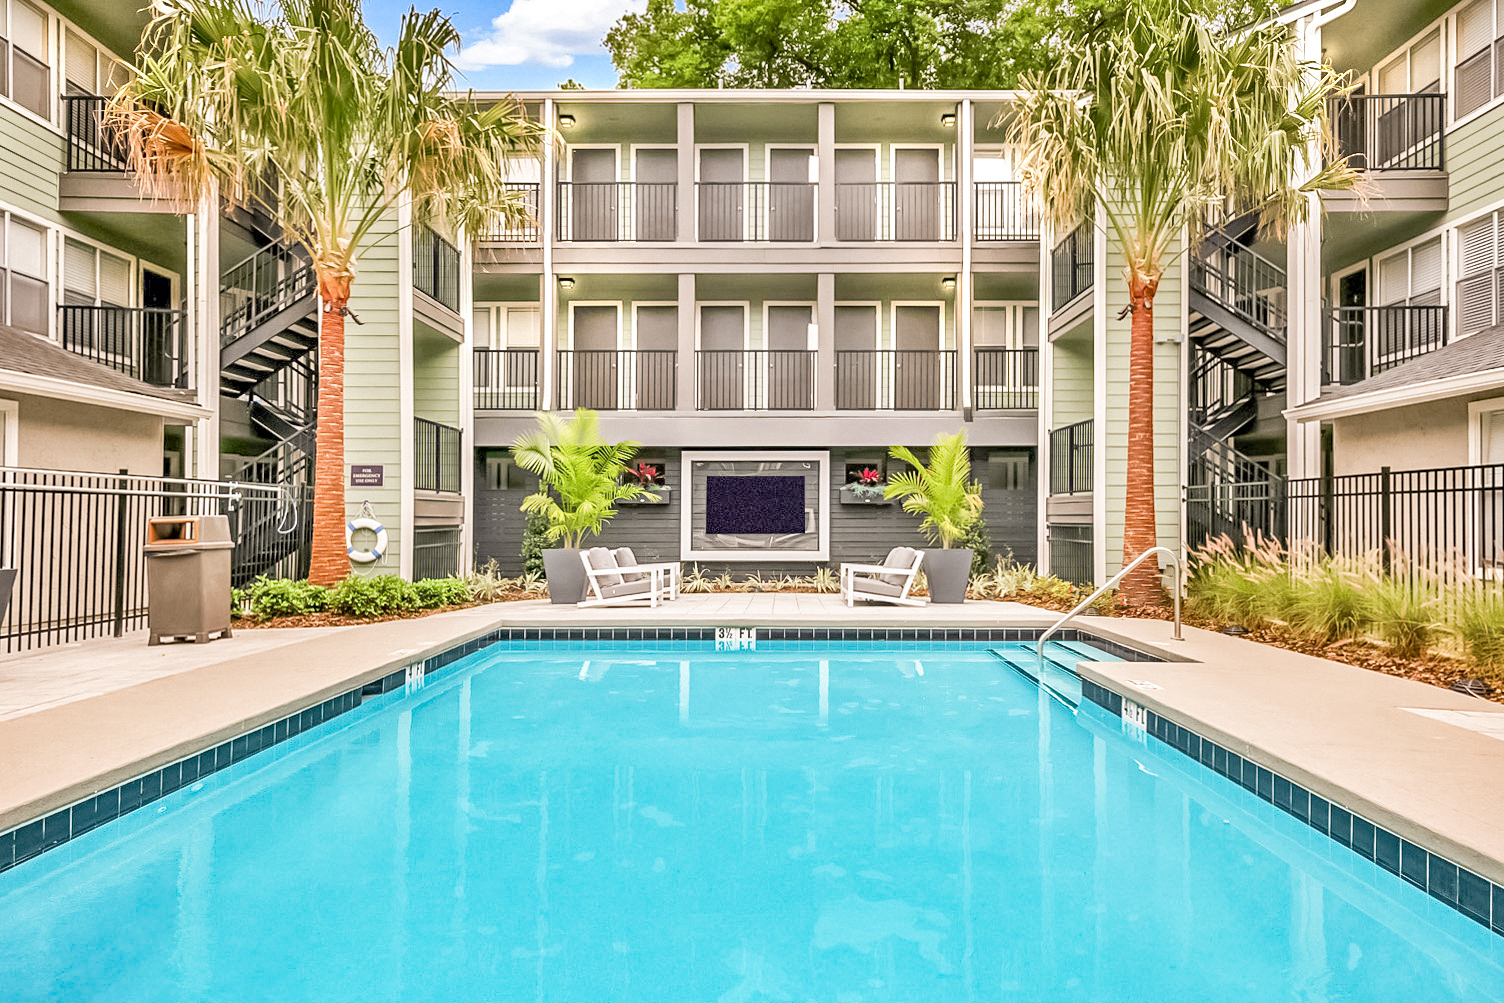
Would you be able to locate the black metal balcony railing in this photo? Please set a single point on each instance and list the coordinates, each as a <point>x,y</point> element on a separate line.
<point>1005,379</point>
<point>147,344</point>
<point>896,210</point>
<point>92,146</point>
<point>508,379</point>
<point>436,267</point>
<point>618,211</point>
<point>896,380</point>
<point>755,210</point>
<point>1071,265</point>
<point>437,452</point>
<point>1071,459</point>
<point>1003,211</point>
<point>520,230</point>
<point>1242,281</point>
<point>755,380</point>
<point>619,380</point>
<point>1390,132</point>
<point>263,284</point>
<point>1365,340</point>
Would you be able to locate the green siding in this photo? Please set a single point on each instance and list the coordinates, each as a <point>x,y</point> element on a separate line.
<point>30,160</point>
<point>436,376</point>
<point>1476,170</point>
<point>1071,378</point>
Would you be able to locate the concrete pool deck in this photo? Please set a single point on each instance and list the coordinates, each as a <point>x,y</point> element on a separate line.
<point>78,720</point>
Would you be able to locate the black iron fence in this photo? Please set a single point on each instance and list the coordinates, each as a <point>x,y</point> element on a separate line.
<point>618,210</point>
<point>1230,494</point>
<point>76,541</point>
<point>436,552</point>
<point>896,210</point>
<point>755,210</point>
<point>618,380</point>
<point>1002,210</point>
<point>1071,552</point>
<point>93,146</point>
<point>1390,132</point>
<point>436,267</point>
<point>264,283</point>
<point>518,229</point>
<point>436,452</point>
<point>508,379</point>
<point>145,343</point>
<point>896,380</point>
<point>1071,265</point>
<point>1364,340</point>
<point>755,380</point>
<point>1005,379</point>
<point>1071,458</point>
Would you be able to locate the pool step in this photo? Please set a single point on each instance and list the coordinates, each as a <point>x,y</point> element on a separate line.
<point>1060,677</point>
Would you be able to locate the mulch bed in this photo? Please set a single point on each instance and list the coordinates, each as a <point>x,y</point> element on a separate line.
<point>338,620</point>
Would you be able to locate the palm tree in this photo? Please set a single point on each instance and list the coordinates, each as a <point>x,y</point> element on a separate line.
<point>1165,123</point>
<point>226,94</point>
<point>941,490</point>
<point>584,472</point>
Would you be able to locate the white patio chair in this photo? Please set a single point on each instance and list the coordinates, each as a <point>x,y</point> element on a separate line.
<point>672,571</point>
<point>609,584</point>
<point>888,582</point>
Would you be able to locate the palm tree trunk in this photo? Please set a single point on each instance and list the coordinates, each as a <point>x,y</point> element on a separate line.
<point>1140,529</point>
<point>330,563</point>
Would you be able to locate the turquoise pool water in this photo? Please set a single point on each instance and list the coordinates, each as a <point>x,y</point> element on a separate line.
<point>613,824</point>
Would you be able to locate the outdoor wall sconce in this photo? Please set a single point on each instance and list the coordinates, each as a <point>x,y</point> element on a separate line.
<point>948,120</point>
<point>948,283</point>
<point>566,121</point>
<point>565,282</point>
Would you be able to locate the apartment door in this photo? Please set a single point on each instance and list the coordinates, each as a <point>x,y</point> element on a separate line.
<point>160,347</point>
<point>657,338</point>
<point>856,357</point>
<point>916,194</point>
<point>593,194</point>
<point>790,366</point>
<point>720,194</point>
<point>1349,127</point>
<point>723,373</point>
<point>918,366</point>
<point>594,361</point>
<point>655,194</point>
<point>1349,341</point>
<point>791,196</point>
<point>856,194</point>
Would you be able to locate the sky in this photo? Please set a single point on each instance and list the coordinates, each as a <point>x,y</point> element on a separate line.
<point>520,45</point>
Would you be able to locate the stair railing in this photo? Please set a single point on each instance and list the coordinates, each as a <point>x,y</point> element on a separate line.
<point>260,285</point>
<point>1243,281</point>
<point>1112,582</point>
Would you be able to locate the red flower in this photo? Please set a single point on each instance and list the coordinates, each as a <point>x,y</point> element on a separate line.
<point>643,473</point>
<point>869,476</point>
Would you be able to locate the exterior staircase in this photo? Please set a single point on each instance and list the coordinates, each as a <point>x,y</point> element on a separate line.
<point>269,358</point>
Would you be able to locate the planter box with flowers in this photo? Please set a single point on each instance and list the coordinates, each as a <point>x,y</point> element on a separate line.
<point>650,477</point>
<point>867,489</point>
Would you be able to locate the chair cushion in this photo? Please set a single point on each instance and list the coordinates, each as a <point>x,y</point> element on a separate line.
<point>875,586</point>
<point>898,557</point>
<point>641,586</point>
<point>626,559</point>
<point>601,559</point>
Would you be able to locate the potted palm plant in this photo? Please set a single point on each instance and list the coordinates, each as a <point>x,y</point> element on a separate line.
<point>943,492</point>
<point>579,483</point>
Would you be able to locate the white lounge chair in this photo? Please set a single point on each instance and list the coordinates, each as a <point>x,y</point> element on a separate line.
<point>888,582</point>
<point>611,582</point>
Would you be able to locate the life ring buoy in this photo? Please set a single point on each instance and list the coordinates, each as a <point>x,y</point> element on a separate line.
<point>365,556</point>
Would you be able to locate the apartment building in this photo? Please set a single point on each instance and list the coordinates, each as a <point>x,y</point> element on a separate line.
<point>766,289</point>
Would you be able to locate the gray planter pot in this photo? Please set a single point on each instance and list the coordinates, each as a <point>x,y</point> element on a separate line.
<point>7,582</point>
<point>565,574</point>
<point>849,496</point>
<point>948,572</point>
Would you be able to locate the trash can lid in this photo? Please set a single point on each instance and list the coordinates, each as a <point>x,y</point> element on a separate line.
<point>177,530</point>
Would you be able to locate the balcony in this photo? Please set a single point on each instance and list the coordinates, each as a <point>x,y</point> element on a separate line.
<point>1398,140</point>
<point>1071,459</point>
<point>755,211</point>
<point>755,380</point>
<point>146,344</point>
<point>1002,210</point>
<point>436,267</point>
<point>618,211</point>
<point>1005,379</point>
<point>508,379</point>
<point>896,380</point>
<point>92,146</point>
<point>437,453</point>
<point>1363,341</point>
<point>519,231</point>
<point>618,380</point>
<point>896,210</point>
<point>1071,266</point>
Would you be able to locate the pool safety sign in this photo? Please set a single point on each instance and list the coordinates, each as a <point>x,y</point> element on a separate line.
<point>736,639</point>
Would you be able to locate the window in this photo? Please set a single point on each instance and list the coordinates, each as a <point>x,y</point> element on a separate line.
<point>1412,277</point>
<point>25,77</point>
<point>1479,277</point>
<point>24,288</point>
<point>92,277</point>
<point>88,69</point>
<point>1479,77</point>
<point>1416,70</point>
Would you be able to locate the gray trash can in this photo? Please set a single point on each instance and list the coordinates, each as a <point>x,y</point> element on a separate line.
<point>188,577</point>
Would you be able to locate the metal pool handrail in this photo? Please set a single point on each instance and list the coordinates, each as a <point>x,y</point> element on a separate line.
<point>1174,560</point>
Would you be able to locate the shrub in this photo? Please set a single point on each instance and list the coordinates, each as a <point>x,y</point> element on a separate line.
<point>1402,617</point>
<point>980,541</point>
<point>431,593</point>
<point>487,584</point>
<point>274,597</point>
<point>534,539</point>
<point>377,595</point>
<point>827,579</point>
<point>1334,606</point>
<point>1480,627</point>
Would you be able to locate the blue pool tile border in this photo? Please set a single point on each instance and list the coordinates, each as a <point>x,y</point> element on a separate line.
<point>1473,895</point>
<point>30,839</point>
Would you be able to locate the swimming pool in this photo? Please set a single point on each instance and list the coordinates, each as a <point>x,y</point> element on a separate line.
<point>662,822</point>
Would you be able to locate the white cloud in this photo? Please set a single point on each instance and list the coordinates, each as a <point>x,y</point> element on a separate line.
<point>549,32</point>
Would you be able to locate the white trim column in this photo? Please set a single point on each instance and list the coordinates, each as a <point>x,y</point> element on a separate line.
<point>466,557</point>
<point>685,138</point>
<point>548,285</point>
<point>963,155</point>
<point>202,332</point>
<point>1303,334</point>
<point>406,405</point>
<point>825,347</point>
<point>825,192</point>
<point>685,374</point>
